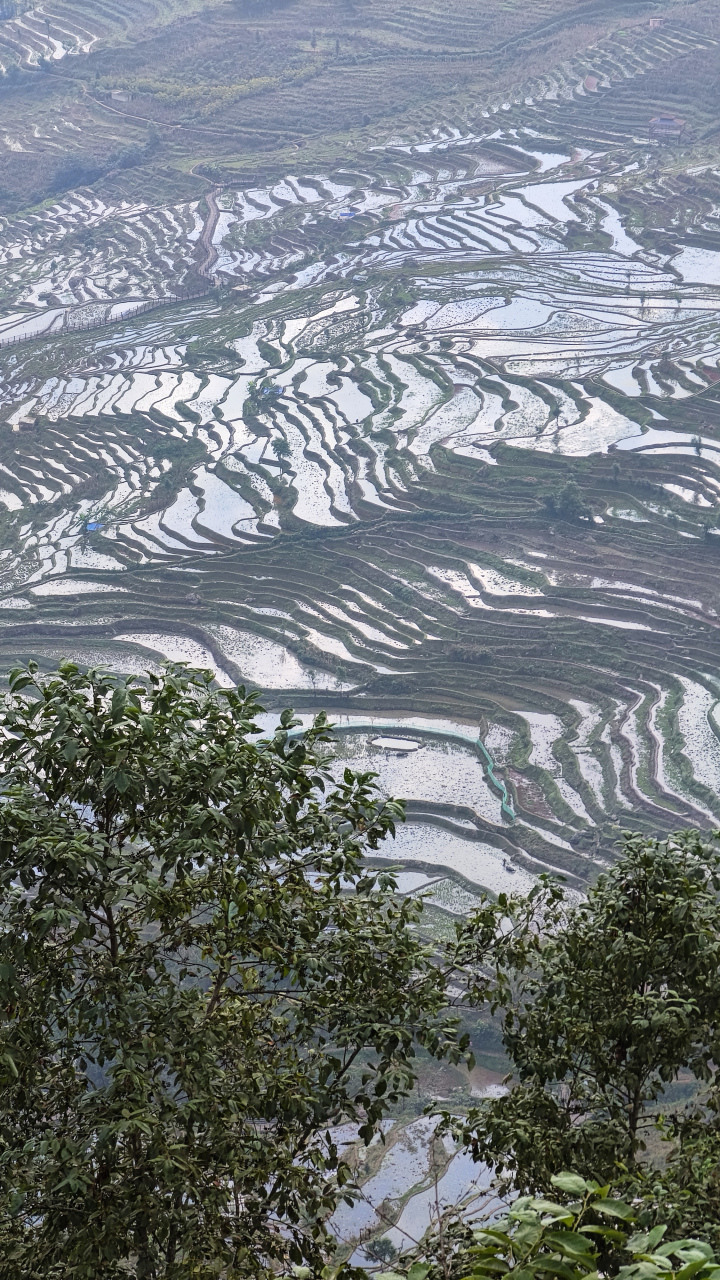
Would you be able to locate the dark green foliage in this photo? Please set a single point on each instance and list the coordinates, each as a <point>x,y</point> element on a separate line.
<point>281,449</point>
<point>190,993</point>
<point>603,1004</point>
<point>568,504</point>
<point>382,1250</point>
<point>685,1193</point>
<point>581,1232</point>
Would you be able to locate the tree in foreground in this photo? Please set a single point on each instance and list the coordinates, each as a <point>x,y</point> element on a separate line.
<point>581,1233</point>
<point>603,1004</point>
<point>198,977</point>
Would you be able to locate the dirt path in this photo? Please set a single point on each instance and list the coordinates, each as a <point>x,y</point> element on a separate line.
<point>207,262</point>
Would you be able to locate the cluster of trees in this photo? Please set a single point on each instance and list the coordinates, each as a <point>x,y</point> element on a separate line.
<point>200,977</point>
<point>568,504</point>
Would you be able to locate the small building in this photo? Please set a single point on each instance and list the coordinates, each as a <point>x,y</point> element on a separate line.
<point>667,126</point>
<point>121,95</point>
<point>654,23</point>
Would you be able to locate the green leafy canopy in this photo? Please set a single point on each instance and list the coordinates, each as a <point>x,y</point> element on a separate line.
<point>544,1240</point>
<point>582,1234</point>
<point>199,977</point>
<point>603,1003</point>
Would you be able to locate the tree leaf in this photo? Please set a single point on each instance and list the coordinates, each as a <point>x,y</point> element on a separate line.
<point>615,1209</point>
<point>549,1206</point>
<point>570,1182</point>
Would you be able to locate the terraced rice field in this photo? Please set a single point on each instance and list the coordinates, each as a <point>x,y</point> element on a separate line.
<point>426,435</point>
<point>334,475</point>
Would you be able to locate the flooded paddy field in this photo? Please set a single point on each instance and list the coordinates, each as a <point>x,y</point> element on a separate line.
<point>434,445</point>
<point>426,436</point>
